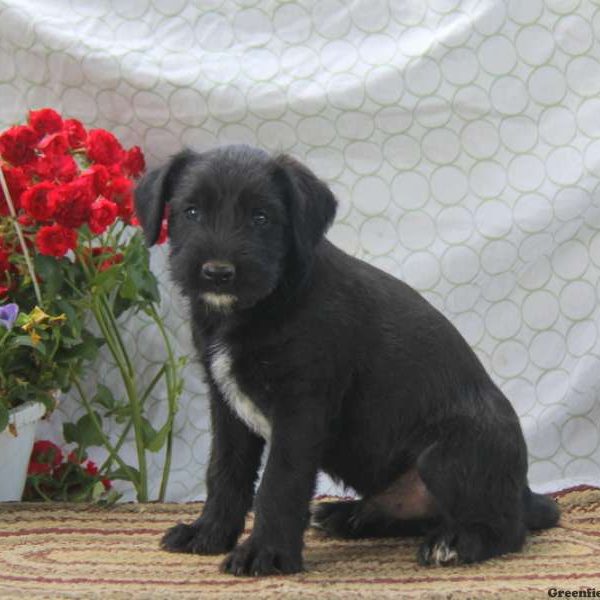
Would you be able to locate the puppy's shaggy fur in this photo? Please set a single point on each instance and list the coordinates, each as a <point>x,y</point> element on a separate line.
<point>339,366</point>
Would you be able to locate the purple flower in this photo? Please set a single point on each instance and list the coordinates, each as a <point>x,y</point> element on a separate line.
<point>8,315</point>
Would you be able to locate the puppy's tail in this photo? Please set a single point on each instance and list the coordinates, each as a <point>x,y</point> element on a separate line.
<point>541,512</point>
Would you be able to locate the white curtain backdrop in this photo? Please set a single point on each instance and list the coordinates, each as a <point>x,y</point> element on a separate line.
<point>462,138</point>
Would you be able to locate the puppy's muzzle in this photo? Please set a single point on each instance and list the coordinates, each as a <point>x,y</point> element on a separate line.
<point>219,272</point>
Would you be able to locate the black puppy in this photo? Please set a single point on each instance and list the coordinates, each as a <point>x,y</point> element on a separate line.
<point>339,366</point>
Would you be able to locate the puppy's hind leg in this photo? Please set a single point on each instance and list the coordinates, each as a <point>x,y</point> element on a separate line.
<point>403,508</point>
<point>353,519</point>
<point>338,519</point>
<point>476,478</point>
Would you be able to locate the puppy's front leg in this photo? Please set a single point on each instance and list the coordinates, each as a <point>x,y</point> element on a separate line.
<point>232,471</point>
<point>282,502</point>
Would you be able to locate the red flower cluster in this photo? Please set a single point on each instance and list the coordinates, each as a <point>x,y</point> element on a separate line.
<point>47,459</point>
<point>104,257</point>
<point>61,176</point>
<point>7,269</point>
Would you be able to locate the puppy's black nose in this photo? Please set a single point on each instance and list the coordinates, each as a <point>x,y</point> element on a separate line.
<point>218,271</point>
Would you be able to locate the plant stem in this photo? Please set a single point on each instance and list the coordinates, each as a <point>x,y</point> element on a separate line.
<point>172,394</point>
<point>26,255</point>
<point>39,491</point>
<point>108,462</point>
<point>153,383</point>
<point>111,333</point>
<point>127,428</point>
<point>105,318</point>
<point>105,441</point>
<point>112,321</point>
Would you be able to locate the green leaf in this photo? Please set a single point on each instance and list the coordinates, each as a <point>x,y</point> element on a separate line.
<point>25,340</point>
<point>154,440</point>
<point>97,491</point>
<point>135,275</point>
<point>3,417</point>
<point>70,433</point>
<point>148,432</point>
<point>84,432</point>
<point>109,498</point>
<point>123,475</point>
<point>121,303</point>
<point>46,398</point>
<point>22,318</point>
<point>73,320</point>
<point>121,412</point>
<point>104,397</point>
<point>151,287</point>
<point>87,349</point>
<point>89,434</point>
<point>48,268</point>
<point>106,280</point>
<point>128,289</point>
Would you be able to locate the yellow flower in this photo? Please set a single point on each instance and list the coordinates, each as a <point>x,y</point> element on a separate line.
<point>37,317</point>
<point>35,337</point>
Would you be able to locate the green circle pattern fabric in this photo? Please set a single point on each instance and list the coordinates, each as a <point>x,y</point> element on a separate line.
<point>461,137</point>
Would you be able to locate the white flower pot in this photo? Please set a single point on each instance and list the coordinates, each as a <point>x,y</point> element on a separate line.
<point>15,451</point>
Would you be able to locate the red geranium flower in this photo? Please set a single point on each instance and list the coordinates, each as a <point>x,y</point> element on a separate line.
<point>54,143</point>
<point>55,240</point>
<point>5,264</point>
<point>45,121</point>
<point>116,259</point>
<point>103,147</point>
<point>17,184</point>
<point>6,267</point>
<point>38,202</point>
<point>76,133</point>
<point>122,195</point>
<point>36,468</point>
<point>47,452</point>
<point>91,468</point>
<point>163,236</point>
<point>103,214</point>
<point>73,203</point>
<point>17,145</point>
<point>54,167</point>
<point>134,163</point>
<point>25,220</point>
<point>100,180</point>
<point>64,167</point>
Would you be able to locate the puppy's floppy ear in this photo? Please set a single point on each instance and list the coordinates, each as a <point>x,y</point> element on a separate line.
<point>154,190</point>
<point>311,204</point>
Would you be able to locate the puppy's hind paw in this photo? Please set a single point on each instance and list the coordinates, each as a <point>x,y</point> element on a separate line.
<point>438,551</point>
<point>198,538</point>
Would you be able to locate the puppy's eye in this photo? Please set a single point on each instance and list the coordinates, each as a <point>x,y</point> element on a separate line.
<point>260,218</point>
<point>192,213</point>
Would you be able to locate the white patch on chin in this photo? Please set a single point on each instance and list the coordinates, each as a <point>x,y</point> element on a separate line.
<point>240,403</point>
<point>222,302</point>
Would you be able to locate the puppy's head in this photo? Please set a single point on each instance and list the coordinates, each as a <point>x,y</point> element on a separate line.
<point>240,222</point>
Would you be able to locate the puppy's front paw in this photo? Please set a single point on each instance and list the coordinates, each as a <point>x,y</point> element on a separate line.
<point>256,559</point>
<point>201,537</point>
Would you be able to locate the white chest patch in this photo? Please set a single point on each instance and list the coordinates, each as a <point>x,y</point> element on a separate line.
<point>240,403</point>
